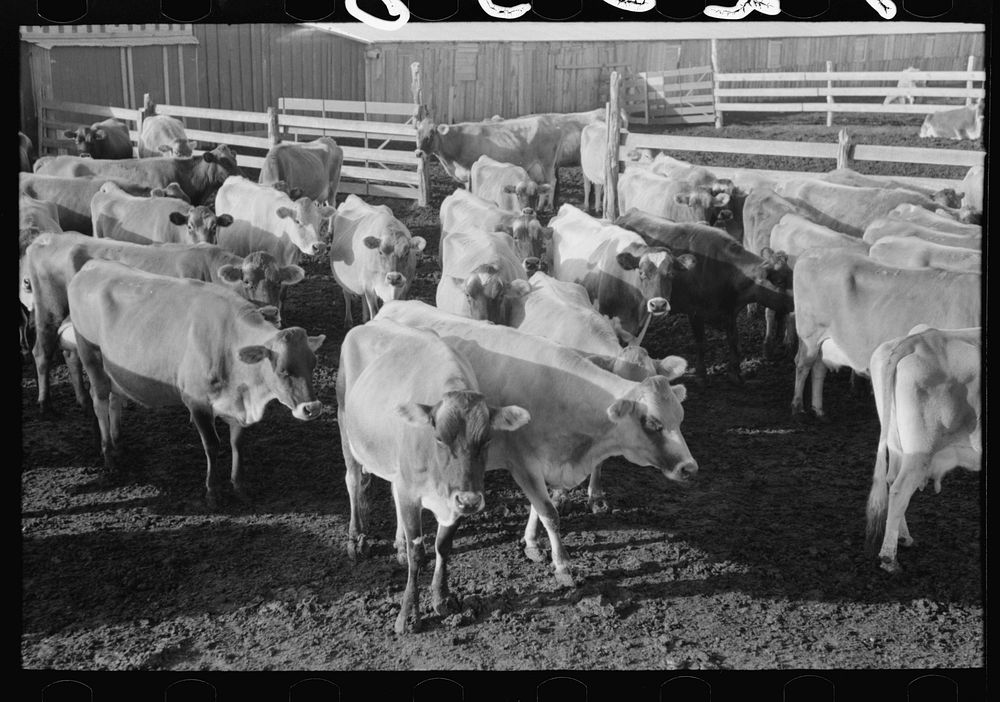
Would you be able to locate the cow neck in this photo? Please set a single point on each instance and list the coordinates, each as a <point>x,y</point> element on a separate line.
<point>255,392</point>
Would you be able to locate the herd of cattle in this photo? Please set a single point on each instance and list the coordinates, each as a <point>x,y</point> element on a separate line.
<point>163,276</point>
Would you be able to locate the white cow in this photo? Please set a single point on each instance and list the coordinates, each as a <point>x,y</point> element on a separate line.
<point>906,82</point>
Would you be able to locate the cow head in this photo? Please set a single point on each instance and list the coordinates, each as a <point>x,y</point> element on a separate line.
<point>527,193</point>
<point>462,424</point>
<point>948,197</point>
<point>429,136</point>
<point>648,419</point>
<point>773,274</point>
<point>705,205</point>
<point>87,138</point>
<point>201,222</point>
<point>531,239</point>
<point>260,279</point>
<point>287,361</point>
<point>970,215</point>
<point>304,223</point>
<point>927,128</point>
<point>179,148</point>
<point>489,296</point>
<point>395,261</point>
<point>655,267</point>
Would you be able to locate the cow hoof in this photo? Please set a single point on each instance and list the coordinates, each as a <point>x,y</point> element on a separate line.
<point>565,578</point>
<point>358,547</point>
<point>401,623</point>
<point>906,541</point>
<point>599,505</point>
<point>799,414</point>
<point>445,604</point>
<point>534,554</point>
<point>212,501</point>
<point>821,417</point>
<point>734,379</point>
<point>242,495</point>
<point>891,566</point>
<point>47,413</point>
<point>401,558</point>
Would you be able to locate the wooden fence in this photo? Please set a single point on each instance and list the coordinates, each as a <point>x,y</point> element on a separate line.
<point>682,96</point>
<point>842,154</point>
<point>947,89</point>
<point>384,150</point>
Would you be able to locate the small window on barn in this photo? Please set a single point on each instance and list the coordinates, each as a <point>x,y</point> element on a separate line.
<point>774,54</point>
<point>860,50</point>
<point>465,63</point>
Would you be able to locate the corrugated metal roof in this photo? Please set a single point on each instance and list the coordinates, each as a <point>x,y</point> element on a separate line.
<point>501,30</point>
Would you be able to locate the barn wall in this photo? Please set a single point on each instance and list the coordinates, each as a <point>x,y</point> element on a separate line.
<point>516,78</point>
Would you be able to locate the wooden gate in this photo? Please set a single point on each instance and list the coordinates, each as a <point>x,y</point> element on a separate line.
<point>682,96</point>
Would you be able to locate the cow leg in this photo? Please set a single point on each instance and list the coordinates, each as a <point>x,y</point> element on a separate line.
<point>698,331</point>
<point>772,322</point>
<point>791,338</point>
<point>75,367</point>
<point>100,391</point>
<point>439,585</point>
<point>401,541</point>
<point>46,343</point>
<point>599,198</point>
<point>596,498</point>
<point>204,422</point>
<point>902,489</point>
<point>587,188</point>
<point>357,484</point>
<point>559,498</point>
<point>409,513</point>
<point>542,508</point>
<point>369,307</point>
<point>348,319</point>
<point>733,337</point>
<point>818,375</point>
<point>236,471</point>
<point>803,364</point>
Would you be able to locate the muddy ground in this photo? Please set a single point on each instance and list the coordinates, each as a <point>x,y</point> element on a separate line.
<point>759,563</point>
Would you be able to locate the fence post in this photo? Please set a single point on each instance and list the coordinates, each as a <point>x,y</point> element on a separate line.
<point>715,83</point>
<point>829,97</point>
<point>611,163</point>
<point>273,135</point>
<point>423,176</point>
<point>970,66</point>
<point>845,150</point>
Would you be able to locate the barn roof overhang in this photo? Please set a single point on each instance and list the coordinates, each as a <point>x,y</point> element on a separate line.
<point>517,31</point>
<point>107,35</point>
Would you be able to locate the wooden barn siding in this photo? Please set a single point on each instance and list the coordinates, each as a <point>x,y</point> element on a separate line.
<point>249,66</point>
<point>501,67</point>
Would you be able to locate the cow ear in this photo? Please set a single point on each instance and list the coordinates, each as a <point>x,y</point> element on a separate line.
<point>672,367</point>
<point>290,275</point>
<point>193,143</point>
<point>509,418</point>
<point>442,129</point>
<point>284,212</point>
<point>372,242</point>
<point>295,193</point>
<point>686,261</point>
<point>223,220</point>
<point>419,242</point>
<point>721,200</point>
<point>627,261</point>
<point>326,211</point>
<point>231,273</point>
<point>280,186</point>
<point>209,157</point>
<point>178,218</point>
<point>682,198</point>
<point>517,288</point>
<point>544,188</point>
<point>155,192</point>
<point>254,354</point>
<point>416,414</point>
<point>70,134</point>
<point>680,392</point>
<point>620,409</point>
<point>601,361</point>
<point>100,134</point>
<point>164,148</point>
<point>767,253</point>
<point>315,342</point>
<point>510,189</point>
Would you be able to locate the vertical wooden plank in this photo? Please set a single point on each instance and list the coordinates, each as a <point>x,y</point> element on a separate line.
<point>715,82</point>
<point>844,150</point>
<point>124,67</point>
<point>613,120</point>
<point>166,76</point>
<point>829,98</point>
<point>970,66</point>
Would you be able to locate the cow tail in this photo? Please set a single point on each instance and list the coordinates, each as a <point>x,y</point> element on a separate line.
<point>878,497</point>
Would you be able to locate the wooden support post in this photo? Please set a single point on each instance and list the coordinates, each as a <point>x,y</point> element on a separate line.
<point>419,111</point>
<point>273,135</point>
<point>970,66</point>
<point>451,104</point>
<point>845,150</point>
<point>829,98</point>
<point>611,162</point>
<point>715,83</point>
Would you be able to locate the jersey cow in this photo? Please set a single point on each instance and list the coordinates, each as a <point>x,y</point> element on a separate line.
<point>506,185</point>
<point>960,123</point>
<point>312,167</point>
<point>480,276</point>
<point>71,196</point>
<point>199,176</point>
<point>846,304</point>
<point>624,276</point>
<point>162,341</point>
<point>580,414</point>
<point>108,139</point>
<point>267,219</point>
<point>946,197</point>
<point>904,84</point>
<point>373,256</point>
<point>163,135</point>
<point>722,278</point>
<point>464,212</point>
<point>676,200</point>
<point>397,430</point>
<point>116,214</point>
<point>928,393</point>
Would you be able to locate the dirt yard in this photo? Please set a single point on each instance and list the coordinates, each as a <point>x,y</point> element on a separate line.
<point>758,564</point>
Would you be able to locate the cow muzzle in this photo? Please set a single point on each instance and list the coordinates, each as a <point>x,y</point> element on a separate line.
<point>528,211</point>
<point>683,471</point>
<point>318,248</point>
<point>657,306</point>
<point>396,280</point>
<point>308,410</point>
<point>532,265</point>
<point>469,502</point>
